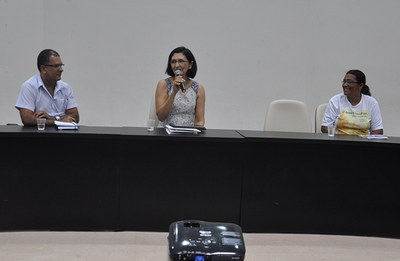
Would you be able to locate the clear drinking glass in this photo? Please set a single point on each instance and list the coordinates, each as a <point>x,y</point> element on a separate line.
<point>41,124</point>
<point>331,130</point>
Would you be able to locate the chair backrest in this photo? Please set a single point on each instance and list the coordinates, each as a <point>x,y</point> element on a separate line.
<point>287,115</point>
<point>319,115</point>
<point>152,111</point>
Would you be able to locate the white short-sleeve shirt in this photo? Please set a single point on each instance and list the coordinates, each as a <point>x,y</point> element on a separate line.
<point>34,96</point>
<point>359,119</point>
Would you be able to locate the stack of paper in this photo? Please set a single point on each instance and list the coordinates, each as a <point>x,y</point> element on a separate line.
<point>66,125</point>
<point>181,130</point>
<point>375,137</point>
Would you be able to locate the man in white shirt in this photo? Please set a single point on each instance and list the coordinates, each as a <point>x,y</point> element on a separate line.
<point>44,95</point>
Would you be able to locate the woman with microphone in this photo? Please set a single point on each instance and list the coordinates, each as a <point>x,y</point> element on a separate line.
<point>179,99</point>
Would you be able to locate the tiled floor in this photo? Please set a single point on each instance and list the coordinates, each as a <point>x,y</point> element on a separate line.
<point>141,246</point>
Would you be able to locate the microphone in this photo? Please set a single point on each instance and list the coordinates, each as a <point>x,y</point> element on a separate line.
<point>179,73</point>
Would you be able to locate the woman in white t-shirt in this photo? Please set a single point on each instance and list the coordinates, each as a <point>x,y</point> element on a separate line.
<point>353,112</point>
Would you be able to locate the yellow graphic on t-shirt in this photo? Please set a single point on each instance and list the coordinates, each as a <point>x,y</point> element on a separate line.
<point>353,123</point>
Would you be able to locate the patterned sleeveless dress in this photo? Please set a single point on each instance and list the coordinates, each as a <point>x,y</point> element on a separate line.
<point>183,108</point>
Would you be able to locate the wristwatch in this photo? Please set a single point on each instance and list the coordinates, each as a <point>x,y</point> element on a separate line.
<point>57,117</point>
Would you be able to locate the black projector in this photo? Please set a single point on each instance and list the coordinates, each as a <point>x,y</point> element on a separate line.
<point>205,241</point>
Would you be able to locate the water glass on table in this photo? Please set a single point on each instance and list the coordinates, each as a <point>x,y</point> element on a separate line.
<point>150,124</point>
<point>331,130</point>
<point>41,124</point>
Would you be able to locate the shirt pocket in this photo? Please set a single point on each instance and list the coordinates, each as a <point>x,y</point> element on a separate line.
<point>60,104</point>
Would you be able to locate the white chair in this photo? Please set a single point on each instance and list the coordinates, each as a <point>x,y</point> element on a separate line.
<point>287,115</point>
<point>152,111</point>
<point>319,115</point>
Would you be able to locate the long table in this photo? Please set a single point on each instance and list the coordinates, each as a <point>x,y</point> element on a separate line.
<point>117,178</point>
<point>126,178</point>
<point>312,183</point>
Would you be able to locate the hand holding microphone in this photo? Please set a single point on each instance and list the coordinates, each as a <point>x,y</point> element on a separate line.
<point>178,73</point>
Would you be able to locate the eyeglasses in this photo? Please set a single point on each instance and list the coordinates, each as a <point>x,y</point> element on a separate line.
<point>348,81</point>
<point>180,62</point>
<point>56,66</point>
